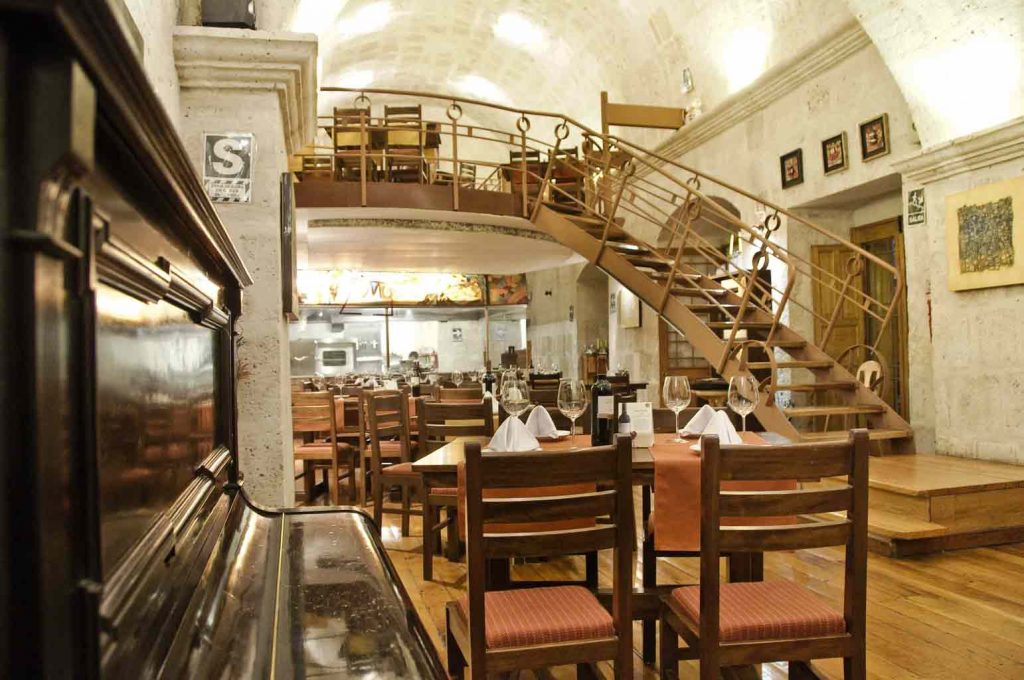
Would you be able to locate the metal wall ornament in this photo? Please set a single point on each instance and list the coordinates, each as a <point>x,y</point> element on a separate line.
<point>874,138</point>
<point>791,168</point>
<point>834,155</point>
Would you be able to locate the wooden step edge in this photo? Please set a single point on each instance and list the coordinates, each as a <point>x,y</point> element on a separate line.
<point>788,344</point>
<point>841,435</point>
<point>817,363</point>
<point>820,386</point>
<point>893,526</point>
<point>856,409</point>
<point>743,324</point>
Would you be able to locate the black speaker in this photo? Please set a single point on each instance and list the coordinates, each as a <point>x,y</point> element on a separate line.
<point>230,13</point>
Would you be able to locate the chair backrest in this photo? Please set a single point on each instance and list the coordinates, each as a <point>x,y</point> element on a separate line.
<point>544,395</point>
<point>608,503</point>
<point>439,421</point>
<point>404,126</point>
<point>749,514</point>
<point>314,412</point>
<point>871,375</point>
<point>351,129</point>
<point>460,393</point>
<point>387,414</point>
<point>545,379</point>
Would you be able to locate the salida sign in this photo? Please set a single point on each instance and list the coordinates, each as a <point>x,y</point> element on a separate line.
<point>227,166</point>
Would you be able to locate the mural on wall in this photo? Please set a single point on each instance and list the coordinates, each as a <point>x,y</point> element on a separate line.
<point>509,289</point>
<point>985,226</point>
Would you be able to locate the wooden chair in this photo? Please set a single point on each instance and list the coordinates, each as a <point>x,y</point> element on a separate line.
<point>438,422</point>
<point>527,628</point>
<point>745,623</point>
<point>535,169</point>
<point>567,179</point>
<point>390,452</point>
<point>352,141</point>
<point>545,396</point>
<point>460,393</point>
<point>406,137</point>
<point>315,412</point>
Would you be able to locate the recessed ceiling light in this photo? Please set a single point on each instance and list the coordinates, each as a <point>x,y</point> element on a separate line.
<point>367,19</point>
<point>515,29</point>
<point>356,78</point>
<point>480,88</point>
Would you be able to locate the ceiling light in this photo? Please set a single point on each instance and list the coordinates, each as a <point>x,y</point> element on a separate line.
<point>686,85</point>
<point>356,78</point>
<point>480,88</point>
<point>312,15</point>
<point>745,56</point>
<point>367,19</point>
<point>515,29</point>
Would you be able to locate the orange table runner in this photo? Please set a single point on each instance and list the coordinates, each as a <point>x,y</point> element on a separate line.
<point>676,514</point>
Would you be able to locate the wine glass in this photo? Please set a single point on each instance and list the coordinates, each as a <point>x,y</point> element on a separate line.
<point>572,402</point>
<point>743,395</point>
<point>457,378</point>
<point>515,396</point>
<point>675,394</point>
<point>472,377</point>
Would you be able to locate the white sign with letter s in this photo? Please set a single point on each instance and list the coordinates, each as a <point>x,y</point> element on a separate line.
<point>228,166</point>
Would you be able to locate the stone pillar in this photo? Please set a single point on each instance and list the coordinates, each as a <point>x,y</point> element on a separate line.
<point>262,83</point>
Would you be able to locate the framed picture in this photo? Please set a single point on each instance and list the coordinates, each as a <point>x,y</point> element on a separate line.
<point>791,166</point>
<point>874,137</point>
<point>629,310</point>
<point>984,228</point>
<point>833,154</point>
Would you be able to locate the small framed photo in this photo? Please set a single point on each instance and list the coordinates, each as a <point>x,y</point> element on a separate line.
<point>833,154</point>
<point>791,166</point>
<point>874,137</point>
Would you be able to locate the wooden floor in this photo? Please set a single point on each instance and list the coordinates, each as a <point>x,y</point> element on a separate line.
<point>950,615</point>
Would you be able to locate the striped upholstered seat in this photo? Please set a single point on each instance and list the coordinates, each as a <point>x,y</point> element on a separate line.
<point>768,610</point>
<point>538,616</point>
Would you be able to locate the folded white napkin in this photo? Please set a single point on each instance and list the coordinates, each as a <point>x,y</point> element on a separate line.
<point>722,426</point>
<point>513,436</point>
<point>540,424</point>
<point>698,422</point>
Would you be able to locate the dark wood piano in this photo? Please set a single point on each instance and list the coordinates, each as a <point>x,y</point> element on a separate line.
<point>129,547</point>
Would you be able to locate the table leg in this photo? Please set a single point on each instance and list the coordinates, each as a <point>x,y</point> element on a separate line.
<point>746,567</point>
<point>452,551</point>
<point>499,574</point>
<point>308,480</point>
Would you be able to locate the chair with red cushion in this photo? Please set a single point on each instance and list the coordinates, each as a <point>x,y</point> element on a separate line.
<point>387,415</point>
<point>315,412</point>
<point>530,628</point>
<point>734,624</point>
<point>438,422</point>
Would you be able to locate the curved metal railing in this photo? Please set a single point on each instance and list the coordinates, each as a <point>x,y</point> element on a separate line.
<point>685,221</point>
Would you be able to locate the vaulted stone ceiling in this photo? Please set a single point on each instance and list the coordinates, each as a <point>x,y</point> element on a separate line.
<point>558,56</point>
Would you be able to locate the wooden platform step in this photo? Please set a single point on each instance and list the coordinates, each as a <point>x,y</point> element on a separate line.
<point>890,525</point>
<point>850,410</point>
<point>841,435</point>
<point>800,363</point>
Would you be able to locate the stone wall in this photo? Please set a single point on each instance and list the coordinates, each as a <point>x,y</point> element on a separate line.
<point>556,339</point>
<point>635,349</point>
<point>155,20</point>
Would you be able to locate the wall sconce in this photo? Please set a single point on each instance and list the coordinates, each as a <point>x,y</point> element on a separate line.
<point>686,84</point>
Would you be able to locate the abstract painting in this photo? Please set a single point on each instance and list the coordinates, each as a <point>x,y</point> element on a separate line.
<point>985,229</point>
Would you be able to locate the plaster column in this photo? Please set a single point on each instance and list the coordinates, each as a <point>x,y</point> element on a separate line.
<point>262,83</point>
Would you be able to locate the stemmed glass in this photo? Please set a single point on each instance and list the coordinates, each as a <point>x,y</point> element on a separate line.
<point>675,394</point>
<point>743,395</point>
<point>572,402</point>
<point>472,376</point>
<point>457,378</point>
<point>515,396</point>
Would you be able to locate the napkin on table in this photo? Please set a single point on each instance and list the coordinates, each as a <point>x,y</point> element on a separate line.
<point>540,424</point>
<point>722,426</point>
<point>513,436</point>
<point>697,423</point>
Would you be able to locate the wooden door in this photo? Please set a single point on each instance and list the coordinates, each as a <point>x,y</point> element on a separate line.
<point>849,325</point>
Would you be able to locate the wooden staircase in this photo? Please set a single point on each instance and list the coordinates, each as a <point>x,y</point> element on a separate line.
<point>694,306</point>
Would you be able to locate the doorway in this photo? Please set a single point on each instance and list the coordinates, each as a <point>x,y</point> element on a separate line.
<point>853,326</point>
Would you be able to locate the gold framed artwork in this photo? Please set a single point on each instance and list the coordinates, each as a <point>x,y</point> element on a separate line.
<point>984,231</point>
<point>833,154</point>
<point>874,137</point>
<point>791,168</point>
<point>629,310</point>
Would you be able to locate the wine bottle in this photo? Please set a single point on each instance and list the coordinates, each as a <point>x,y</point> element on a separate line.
<point>602,403</point>
<point>489,379</point>
<point>605,433</point>
<point>625,426</point>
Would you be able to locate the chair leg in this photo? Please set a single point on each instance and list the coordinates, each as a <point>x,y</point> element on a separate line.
<point>378,502</point>
<point>585,671</point>
<point>456,660</point>
<point>353,467</point>
<point>452,549</point>
<point>590,560</point>
<point>406,509</point>
<point>431,514</point>
<point>333,484</point>
<point>669,651</point>
<point>855,667</point>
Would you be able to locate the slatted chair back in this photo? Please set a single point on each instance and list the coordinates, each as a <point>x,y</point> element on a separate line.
<point>801,462</point>
<point>545,379</point>
<point>604,503</point>
<point>351,129</point>
<point>314,412</point>
<point>545,396</point>
<point>387,413</point>
<point>404,127</point>
<point>460,393</point>
<point>439,422</point>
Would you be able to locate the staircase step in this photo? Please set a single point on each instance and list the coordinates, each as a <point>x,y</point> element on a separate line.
<point>847,410</point>
<point>891,525</point>
<point>788,344</point>
<point>698,308</point>
<point>743,324</point>
<point>820,386</point>
<point>699,292</point>
<point>815,363</point>
<point>650,262</point>
<point>841,435</point>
